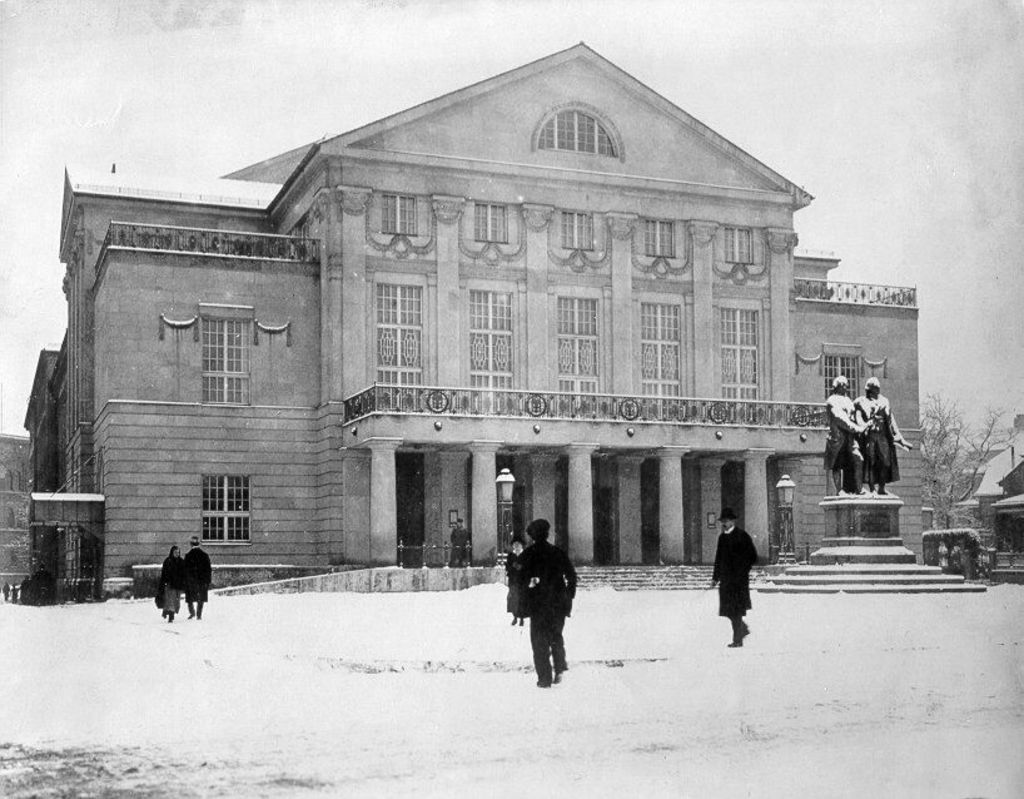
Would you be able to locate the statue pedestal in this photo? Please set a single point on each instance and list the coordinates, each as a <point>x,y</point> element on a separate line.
<point>862,529</point>
<point>863,553</point>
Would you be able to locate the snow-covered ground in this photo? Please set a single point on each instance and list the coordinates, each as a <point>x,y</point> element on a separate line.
<point>432,695</point>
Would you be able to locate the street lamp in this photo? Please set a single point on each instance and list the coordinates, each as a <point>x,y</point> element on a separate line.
<point>505,482</point>
<point>784,490</point>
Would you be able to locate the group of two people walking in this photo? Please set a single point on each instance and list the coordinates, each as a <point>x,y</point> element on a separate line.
<point>190,574</point>
<point>542,587</point>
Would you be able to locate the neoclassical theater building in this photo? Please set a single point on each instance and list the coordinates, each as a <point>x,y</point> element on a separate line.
<point>554,271</point>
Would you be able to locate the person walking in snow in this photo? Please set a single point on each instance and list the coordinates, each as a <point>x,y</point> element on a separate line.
<point>733,559</point>
<point>550,581</point>
<point>7,592</point>
<point>197,578</point>
<point>172,583</point>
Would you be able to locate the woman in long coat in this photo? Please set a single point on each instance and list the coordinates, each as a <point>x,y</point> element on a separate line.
<point>516,600</point>
<point>172,583</point>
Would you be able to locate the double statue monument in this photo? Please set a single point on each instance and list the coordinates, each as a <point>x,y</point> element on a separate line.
<point>862,517</point>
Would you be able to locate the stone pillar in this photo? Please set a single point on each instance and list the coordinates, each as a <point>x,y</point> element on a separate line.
<point>621,227</point>
<point>710,503</point>
<point>484,529</point>
<point>671,530</point>
<point>706,381</point>
<point>780,273</point>
<point>448,211</point>
<point>581,504</point>
<point>383,502</point>
<point>544,466</point>
<point>630,522</point>
<point>343,315</point>
<point>536,218</point>
<point>755,498</point>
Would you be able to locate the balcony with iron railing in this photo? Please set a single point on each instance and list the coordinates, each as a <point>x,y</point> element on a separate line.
<point>386,399</point>
<point>854,293</point>
<point>210,242</point>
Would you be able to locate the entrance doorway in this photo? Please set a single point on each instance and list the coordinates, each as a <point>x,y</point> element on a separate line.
<point>409,496</point>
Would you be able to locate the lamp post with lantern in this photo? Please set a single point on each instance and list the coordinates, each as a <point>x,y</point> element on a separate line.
<point>784,491</point>
<point>504,483</point>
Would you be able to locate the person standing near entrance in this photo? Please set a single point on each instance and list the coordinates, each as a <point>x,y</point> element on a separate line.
<point>550,581</point>
<point>197,578</point>
<point>733,559</point>
<point>460,555</point>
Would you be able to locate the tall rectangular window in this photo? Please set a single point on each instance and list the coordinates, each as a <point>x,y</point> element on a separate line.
<point>846,365</point>
<point>490,223</point>
<point>659,349</point>
<point>577,345</point>
<point>399,334</point>
<point>659,238</point>
<point>490,339</point>
<point>738,245</point>
<point>226,361</point>
<point>225,508</point>
<point>398,214</point>
<point>739,353</point>
<point>577,231</point>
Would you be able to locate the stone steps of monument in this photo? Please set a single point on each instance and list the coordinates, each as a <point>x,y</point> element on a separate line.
<point>862,554</point>
<point>894,587</point>
<point>861,541</point>
<point>861,569</point>
<point>867,578</point>
<point>644,578</point>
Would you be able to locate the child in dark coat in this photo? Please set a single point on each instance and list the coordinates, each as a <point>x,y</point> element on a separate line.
<point>516,600</point>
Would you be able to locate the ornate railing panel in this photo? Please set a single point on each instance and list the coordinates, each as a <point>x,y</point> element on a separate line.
<point>436,401</point>
<point>855,293</point>
<point>204,241</point>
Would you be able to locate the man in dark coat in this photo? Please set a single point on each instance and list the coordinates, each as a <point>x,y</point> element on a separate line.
<point>733,559</point>
<point>460,545</point>
<point>550,581</point>
<point>197,578</point>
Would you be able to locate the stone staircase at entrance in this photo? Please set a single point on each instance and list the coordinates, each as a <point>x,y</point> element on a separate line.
<point>644,578</point>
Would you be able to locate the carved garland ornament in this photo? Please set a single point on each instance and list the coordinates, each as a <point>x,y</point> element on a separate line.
<point>661,266</point>
<point>400,245</point>
<point>491,252</point>
<point>272,330</point>
<point>178,324</point>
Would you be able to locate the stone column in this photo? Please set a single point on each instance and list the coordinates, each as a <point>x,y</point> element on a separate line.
<point>536,218</point>
<point>484,529</point>
<point>671,530</point>
<point>544,466</point>
<point>780,273</point>
<point>710,503</point>
<point>706,381</point>
<point>630,521</point>
<point>448,211</point>
<point>621,227</point>
<point>383,502</point>
<point>755,498</point>
<point>581,504</point>
<point>344,314</point>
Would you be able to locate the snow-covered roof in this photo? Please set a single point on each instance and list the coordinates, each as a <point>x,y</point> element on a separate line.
<point>179,188</point>
<point>1010,502</point>
<point>998,466</point>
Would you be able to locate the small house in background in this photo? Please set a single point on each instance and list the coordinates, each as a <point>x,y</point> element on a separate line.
<point>997,504</point>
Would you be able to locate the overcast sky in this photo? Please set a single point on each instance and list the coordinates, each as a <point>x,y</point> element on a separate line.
<point>904,120</point>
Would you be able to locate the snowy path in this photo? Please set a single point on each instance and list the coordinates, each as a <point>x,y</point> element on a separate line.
<point>432,695</point>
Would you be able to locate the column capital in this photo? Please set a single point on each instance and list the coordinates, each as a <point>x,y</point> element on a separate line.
<point>703,232</point>
<point>580,449</point>
<point>714,460</point>
<point>447,209</point>
<point>781,240</point>
<point>381,443</point>
<point>354,199</point>
<point>621,224</point>
<point>665,453</point>
<point>484,446</point>
<point>537,216</point>
<point>757,454</point>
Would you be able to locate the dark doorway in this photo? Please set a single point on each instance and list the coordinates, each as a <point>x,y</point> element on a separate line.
<point>410,500</point>
<point>733,488</point>
<point>650,509</point>
<point>605,526</point>
<point>560,535</point>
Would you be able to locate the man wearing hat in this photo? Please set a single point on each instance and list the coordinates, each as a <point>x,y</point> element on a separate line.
<point>733,558</point>
<point>550,581</point>
<point>842,451</point>
<point>197,578</point>
<point>880,438</point>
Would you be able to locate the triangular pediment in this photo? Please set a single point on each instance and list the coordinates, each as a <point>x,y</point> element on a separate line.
<point>499,120</point>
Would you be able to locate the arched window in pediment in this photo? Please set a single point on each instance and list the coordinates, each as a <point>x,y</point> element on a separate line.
<point>576,129</point>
